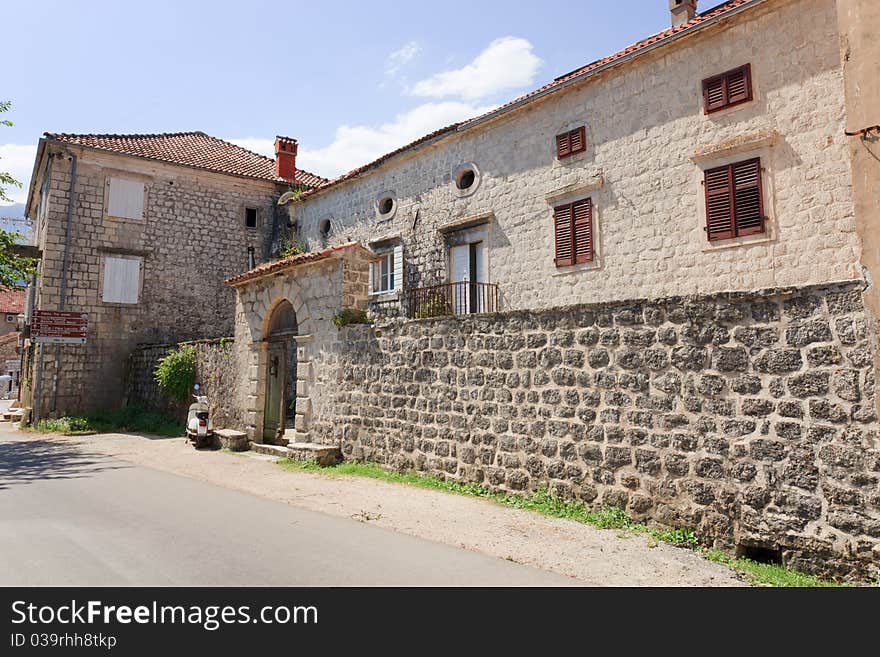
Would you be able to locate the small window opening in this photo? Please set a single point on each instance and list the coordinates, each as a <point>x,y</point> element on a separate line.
<point>325,228</point>
<point>760,554</point>
<point>466,179</point>
<point>386,205</point>
<point>250,217</point>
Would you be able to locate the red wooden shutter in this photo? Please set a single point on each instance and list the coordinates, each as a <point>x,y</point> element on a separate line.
<point>739,87</point>
<point>719,204</point>
<point>578,140</point>
<point>563,144</point>
<point>564,245</point>
<point>730,88</point>
<point>715,93</point>
<point>748,203</point>
<point>583,230</point>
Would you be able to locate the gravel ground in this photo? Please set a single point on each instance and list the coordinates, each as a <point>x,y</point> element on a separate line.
<point>593,556</point>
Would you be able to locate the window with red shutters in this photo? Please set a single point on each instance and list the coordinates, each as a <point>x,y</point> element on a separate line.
<point>573,224</point>
<point>571,142</point>
<point>734,200</point>
<point>728,89</point>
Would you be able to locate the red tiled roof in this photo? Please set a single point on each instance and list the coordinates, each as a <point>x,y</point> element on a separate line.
<point>292,261</point>
<point>190,149</point>
<point>558,83</point>
<point>11,300</point>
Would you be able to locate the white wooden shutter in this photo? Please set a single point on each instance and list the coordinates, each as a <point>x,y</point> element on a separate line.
<point>398,267</point>
<point>461,273</point>
<point>370,281</point>
<point>126,199</point>
<point>121,279</point>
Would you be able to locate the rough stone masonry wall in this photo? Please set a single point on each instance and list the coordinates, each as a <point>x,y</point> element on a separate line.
<point>216,373</point>
<point>644,123</point>
<point>192,239</point>
<point>748,417</point>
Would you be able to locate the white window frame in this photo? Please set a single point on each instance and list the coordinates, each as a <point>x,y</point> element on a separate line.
<point>391,281</point>
<point>116,269</point>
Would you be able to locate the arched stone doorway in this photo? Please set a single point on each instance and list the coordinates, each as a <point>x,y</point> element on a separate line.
<point>280,375</point>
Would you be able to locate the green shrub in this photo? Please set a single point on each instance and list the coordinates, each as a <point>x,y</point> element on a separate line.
<point>347,316</point>
<point>434,307</point>
<point>176,373</point>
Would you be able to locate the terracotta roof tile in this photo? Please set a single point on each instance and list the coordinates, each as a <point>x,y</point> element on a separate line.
<point>293,261</point>
<point>559,82</point>
<point>11,300</point>
<point>190,149</point>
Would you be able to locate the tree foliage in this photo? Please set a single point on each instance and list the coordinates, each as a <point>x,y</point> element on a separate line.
<point>13,267</point>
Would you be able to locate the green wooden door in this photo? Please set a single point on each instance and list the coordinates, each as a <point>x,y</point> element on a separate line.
<point>273,411</point>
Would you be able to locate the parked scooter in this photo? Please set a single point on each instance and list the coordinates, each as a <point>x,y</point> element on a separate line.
<point>199,428</point>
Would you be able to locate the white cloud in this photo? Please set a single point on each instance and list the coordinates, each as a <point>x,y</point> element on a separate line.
<point>18,161</point>
<point>507,63</point>
<point>356,145</point>
<point>400,58</point>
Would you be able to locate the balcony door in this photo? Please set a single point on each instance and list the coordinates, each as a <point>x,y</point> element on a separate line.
<point>468,269</point>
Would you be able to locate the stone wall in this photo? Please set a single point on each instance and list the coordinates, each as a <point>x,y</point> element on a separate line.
<point>216,373</point>
<point>649,141</point>
<point>748,417</point>
<point>192,238</point>
<point>316,289</point>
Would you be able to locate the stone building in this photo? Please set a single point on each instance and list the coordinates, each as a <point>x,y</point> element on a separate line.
<point>647,283</point>
<point>139,231</point>
<point>11,306</point>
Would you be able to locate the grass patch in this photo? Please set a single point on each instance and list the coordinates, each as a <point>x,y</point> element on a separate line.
<point>549,505</point>
<point>130,418</point>
<point>767,574</point>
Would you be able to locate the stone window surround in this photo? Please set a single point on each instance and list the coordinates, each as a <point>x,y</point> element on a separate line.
<point>127,255</point>
<point>382,246</point>
<point>577,192</point>
<point>575,158</point>
<point>259,218</point>
<point>759,144</point>
<point>459,171</point>
<point>395,205</point>
<point>715,114</point>
<point>127,175</point>
<point>382,254</point>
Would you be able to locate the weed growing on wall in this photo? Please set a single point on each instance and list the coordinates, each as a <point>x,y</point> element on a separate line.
<point>176,373</point>
<point>346,316</point>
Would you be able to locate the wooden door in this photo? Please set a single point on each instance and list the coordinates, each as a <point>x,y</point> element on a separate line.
<point>273,413</point>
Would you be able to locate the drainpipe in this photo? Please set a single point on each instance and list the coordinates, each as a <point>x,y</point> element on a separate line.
<point>70,195</point>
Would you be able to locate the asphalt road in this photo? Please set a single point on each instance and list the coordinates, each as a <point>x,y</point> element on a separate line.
<point>70,518</point>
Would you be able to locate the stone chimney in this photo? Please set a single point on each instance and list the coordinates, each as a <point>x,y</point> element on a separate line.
<point>682,11</point>
<point>285,158</point>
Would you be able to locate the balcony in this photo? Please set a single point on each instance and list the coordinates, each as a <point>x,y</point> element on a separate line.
<point>461,298</point>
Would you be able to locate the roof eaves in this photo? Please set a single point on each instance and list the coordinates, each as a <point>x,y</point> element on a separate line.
<point>565,81</point>
<point>702,21</point>
<point>54,138</point>
<point>279,266</point>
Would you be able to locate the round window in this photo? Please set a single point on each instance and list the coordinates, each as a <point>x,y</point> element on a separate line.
<point>386,205</point>
<point>325,227</point>
<point>466,179</point>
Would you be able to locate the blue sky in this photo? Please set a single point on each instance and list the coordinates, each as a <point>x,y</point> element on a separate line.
<point>349,80</point>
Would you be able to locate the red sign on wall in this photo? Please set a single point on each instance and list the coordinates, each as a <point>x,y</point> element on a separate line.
<point>59,327</point>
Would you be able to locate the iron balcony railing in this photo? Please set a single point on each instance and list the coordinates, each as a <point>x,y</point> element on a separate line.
<point>461,298</point>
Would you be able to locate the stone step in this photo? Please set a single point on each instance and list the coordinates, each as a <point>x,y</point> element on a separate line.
<point>232,439</point>
<point>271,450</point>
<point>321,454</point>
